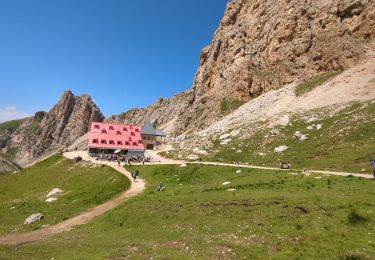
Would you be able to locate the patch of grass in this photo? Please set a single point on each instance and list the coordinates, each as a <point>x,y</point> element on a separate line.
<point>355,218</point>
<point>9,125</point>
<point>272,216</point>
<point>23,193</point>
<point>346,142</point>
<point>318,80</point>
<point>10,154</point>
<point>31,129</point>
<point>229,105</point>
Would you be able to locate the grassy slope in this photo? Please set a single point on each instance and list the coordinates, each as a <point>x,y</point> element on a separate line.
<point>14,124</point>
<point>318,80</point>
<point>346,142</point>
<point>272,215</point>
<point>83,187</point>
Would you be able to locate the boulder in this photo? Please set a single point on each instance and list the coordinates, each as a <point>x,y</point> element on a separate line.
<point>319,126</point>
<point>34,218</point>
<point>281,149</point>
<point>310,127</point>
<point>53,192</point>
<point>226,183</point>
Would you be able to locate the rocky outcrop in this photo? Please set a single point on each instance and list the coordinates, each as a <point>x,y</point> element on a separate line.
<point>54,131</point>
<point>263,45</point>
<point>7,166</point>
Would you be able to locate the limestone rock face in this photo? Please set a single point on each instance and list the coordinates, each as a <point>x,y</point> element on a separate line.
<point>7,166</point>
<point>54,131</point>
<point>263,45</point>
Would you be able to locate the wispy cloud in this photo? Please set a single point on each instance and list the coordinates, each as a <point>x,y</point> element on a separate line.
<point>10,113</point>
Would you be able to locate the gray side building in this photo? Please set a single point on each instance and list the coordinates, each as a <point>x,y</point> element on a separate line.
<point>151,136</point>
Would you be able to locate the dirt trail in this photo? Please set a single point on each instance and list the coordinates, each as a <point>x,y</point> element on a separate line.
<point>135,189</point>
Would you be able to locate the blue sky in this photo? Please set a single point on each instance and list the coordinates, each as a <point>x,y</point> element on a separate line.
<point>124,53</point>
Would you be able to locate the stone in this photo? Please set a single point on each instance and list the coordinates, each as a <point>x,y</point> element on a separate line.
<point>239,151</point>
<point>34,218</point>
<point>226,141</point>
<point>310,127</point>
<point>239,171</point>
<point>226,183</point>
<point>183,165</point>
<point>284,121</point>
<point>281,149</point>
<point>234,133</point>
<point>199,151</point>
<point>224,136</point>
<point>52,199</point>
<point>53,192</point>
<point>300,136</point>
<point>231,189</point>
<point>179,156</point>
<point>319,126</point>
<point>192,157</point>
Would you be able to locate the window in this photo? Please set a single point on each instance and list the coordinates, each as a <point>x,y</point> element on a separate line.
<point>104,131</point>
<point>132,134</point>
<point>94,141</point>
<point>119,142</point>
<point>111,142</point>
<point>103,141</point>
<point>96,126</point>
<point>135,143</point>
<point>130,138</point>
<point>139,141</point>
<point>111,128</point>
<point>131,127</point>
<point>118,133</point>
<point>127,143</point>
<point>124,129</point>
<point>137,130</point>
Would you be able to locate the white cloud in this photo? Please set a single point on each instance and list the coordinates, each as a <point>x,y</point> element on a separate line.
<point>10,113</point>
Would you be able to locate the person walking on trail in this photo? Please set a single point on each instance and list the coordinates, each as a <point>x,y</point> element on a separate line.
<point>161,187</point>
<point>373,167</point>
<point>135,175</point>
<point>118,161</point>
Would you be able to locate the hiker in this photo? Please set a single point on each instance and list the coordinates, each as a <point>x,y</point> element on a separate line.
<point>373,167</point>
<point>160,187</point>
<point>135,175</point>
<point>118,161</point>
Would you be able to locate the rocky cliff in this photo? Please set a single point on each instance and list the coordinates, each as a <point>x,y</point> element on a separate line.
<point>46,133</point>
<point>262,45</point>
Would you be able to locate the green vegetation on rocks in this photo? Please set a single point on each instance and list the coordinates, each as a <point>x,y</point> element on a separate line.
<point>316,81</point>
<point>85,185</point>
<point>229,105</point>
<point>9,125</point>
<point>345,142</point>
<point>271,214</point>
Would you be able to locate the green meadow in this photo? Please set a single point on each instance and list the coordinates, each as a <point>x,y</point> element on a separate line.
<point>259,215</point>
<point>84,186</point>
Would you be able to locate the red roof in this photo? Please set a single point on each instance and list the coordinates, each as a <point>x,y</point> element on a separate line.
<point>111,136</point>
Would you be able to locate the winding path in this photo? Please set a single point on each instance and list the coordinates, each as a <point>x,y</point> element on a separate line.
<point>135,189</point>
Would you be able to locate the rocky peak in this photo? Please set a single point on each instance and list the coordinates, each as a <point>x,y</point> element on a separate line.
<point>261,46</point>
<point>68,120</point>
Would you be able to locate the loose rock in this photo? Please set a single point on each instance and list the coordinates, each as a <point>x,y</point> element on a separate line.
<point>34,218</point>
